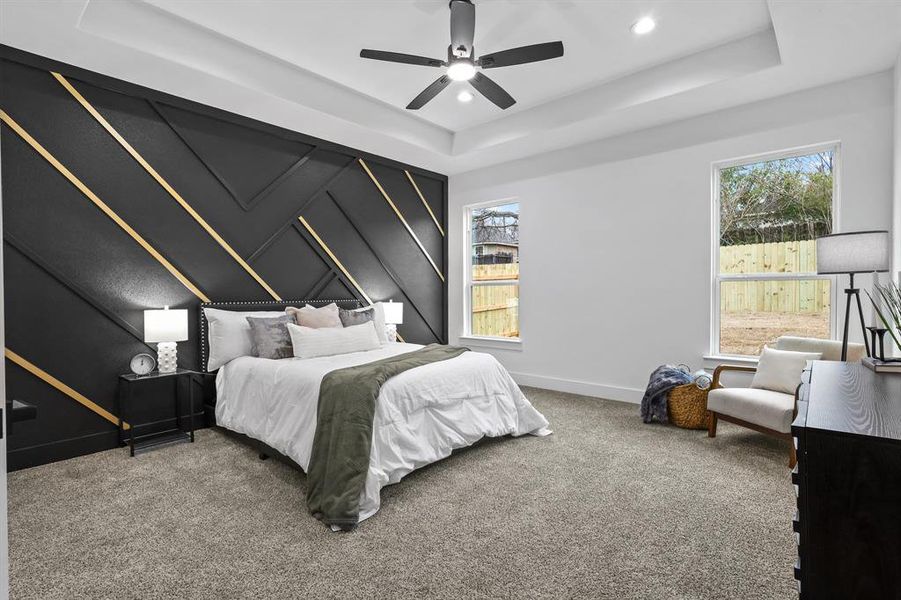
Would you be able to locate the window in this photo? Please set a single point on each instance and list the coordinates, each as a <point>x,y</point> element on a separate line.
<point>768,214</point>
<point>492,281</point>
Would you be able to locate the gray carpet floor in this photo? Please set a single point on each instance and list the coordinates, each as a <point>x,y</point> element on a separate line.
<point>605,508</point>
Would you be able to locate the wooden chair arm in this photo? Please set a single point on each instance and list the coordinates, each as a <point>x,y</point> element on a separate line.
<point>718,371</point>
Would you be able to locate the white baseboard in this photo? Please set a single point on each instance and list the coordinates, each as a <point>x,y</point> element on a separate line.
<point>585,388</point>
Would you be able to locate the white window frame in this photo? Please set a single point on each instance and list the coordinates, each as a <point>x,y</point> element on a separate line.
<point>717,278</point>
<point>468,283</point>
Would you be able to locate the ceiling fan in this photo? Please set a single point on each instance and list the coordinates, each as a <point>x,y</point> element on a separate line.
<point>461,62</point>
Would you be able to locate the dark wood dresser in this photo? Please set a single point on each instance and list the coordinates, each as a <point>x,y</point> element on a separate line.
<point>848,483</point>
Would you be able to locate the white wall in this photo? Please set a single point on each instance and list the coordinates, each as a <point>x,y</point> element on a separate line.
<point>896,221</point>
<point>897,204</point>
<point>615,235</point>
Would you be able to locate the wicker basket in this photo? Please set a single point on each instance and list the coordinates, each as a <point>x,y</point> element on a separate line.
<point>688,407</point>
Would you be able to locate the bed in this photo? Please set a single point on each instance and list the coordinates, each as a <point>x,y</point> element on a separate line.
<point>421,415</point>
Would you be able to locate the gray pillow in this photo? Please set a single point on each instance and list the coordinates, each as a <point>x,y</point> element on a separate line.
<point>349,318</point>
<point>269,337</point>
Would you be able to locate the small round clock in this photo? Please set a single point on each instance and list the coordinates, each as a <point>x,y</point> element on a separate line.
<point>142,364</point>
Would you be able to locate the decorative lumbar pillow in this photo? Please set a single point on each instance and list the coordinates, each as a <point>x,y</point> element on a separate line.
<point>327,341</point>
<point>780,370</point>
<point>269,336</point>
<point>310,316</point>
<point>229,334</point>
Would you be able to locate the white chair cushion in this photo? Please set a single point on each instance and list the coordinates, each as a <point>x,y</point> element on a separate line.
<point>769,409</point>
<point>780,370</point>
<point>830,349</point>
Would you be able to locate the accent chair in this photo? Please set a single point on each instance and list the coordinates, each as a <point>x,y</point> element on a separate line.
<point>767,411</point>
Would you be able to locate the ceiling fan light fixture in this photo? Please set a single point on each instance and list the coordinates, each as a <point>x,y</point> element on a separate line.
<point>462,64</point>
<point>461,70</point>
<point>643,25</point>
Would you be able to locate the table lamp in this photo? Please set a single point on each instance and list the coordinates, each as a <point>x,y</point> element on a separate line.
<point>166,327</point>
<point>394,316</point>
<point>851,253</point>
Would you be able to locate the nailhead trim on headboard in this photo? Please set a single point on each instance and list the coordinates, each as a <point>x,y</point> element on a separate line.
<point>204,341</point>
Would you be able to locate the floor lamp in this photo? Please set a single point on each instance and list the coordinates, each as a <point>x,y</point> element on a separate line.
<point>852,253</point>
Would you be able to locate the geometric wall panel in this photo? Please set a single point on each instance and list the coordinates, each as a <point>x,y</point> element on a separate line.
<point>111,189</point>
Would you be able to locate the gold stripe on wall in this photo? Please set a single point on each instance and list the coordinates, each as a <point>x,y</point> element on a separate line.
<point>163,183</point>
<point>62,387</point>
<point>400,216</point>
<point>101,205</point>
<point>334,258</point>
<point>424,202</point>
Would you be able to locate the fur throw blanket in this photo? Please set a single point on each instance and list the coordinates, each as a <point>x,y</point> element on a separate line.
<point>663,379</point>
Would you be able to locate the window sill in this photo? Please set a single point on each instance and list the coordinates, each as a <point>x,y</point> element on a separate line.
<point>492,342</point>
<point>718,359</point>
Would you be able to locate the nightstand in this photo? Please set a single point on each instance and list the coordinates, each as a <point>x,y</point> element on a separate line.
<point>126,410</point>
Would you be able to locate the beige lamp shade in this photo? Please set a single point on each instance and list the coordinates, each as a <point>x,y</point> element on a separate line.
<point>854,252</point>
<point>166,325</point>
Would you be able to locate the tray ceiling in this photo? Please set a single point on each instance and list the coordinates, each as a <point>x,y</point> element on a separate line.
<point>297,64</point>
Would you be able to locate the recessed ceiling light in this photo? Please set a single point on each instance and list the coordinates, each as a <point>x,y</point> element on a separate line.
<point>643,25</point>
<point>461,70</point>
<point>465,96</point>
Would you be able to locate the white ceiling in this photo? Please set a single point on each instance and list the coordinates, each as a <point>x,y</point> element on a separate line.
<point>297,63</point>
<point>326,37</point>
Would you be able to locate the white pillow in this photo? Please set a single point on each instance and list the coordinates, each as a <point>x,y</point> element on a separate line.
<point>229,334</point>
<point>780,370</point>
<point>328,341</point>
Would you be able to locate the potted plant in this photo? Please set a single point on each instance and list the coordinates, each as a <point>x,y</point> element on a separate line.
<point>887,304</point>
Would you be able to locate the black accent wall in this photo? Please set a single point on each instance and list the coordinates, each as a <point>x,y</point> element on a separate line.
<point>77,282</point>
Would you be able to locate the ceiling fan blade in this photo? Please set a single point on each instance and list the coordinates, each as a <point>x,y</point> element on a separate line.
<point>398,57</point>
<point>430,92</point>
<point>521,56</point>
<point>463,27</point>
<point>488,88</point>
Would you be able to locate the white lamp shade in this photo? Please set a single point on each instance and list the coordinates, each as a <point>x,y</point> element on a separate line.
<point>857,252</point>
<point>394,313</point>
<point>166,325</point>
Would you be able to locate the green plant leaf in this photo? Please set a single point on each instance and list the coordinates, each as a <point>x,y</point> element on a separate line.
<point>897,317</point>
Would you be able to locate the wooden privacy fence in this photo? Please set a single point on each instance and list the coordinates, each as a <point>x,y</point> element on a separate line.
<point>495,272</point>
<point>792,296</point>
<point>771,257</point>
<point>807,296</point>
<point>495,308</point>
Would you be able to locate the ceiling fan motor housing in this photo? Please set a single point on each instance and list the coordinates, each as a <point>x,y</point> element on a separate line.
<point>463,28</point>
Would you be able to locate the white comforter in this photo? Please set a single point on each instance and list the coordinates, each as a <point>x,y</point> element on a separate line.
<point>422,414</point>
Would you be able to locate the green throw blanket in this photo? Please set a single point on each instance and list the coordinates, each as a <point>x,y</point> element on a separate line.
<point>343,441</point>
